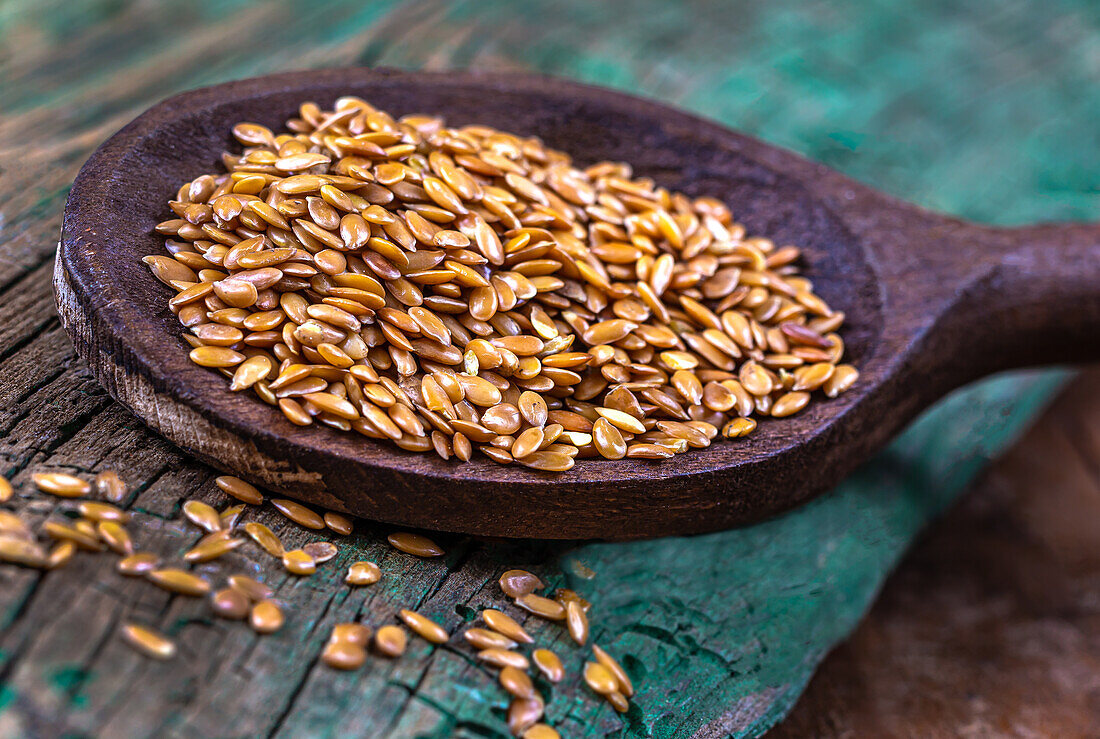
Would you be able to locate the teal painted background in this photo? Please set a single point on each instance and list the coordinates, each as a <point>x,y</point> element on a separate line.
<point>985,110</point>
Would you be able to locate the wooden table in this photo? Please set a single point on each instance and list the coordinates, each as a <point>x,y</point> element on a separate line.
<point>887,100</point>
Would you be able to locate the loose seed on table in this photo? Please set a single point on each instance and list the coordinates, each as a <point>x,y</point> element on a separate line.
<point>116,537</point>
<point>343,655</point>
<point>415,544</point>
<point>354,633</point>
<point>179,581</point>
<point>523,713</point>
<point>149,642</point>
<point>424,626</point>
<point>265,538</point>
<point>97,511</point>
<point>363,573</point>
<point>611,665</point>
<point>485,639</point>
<point>239,489</point>
<point>515,583</point>
<point>321,551</point>
<point>230,603</point>
<point>266,617</point>
<point>299,514</point>
<point>298,562</point>
<point>253,589</point>
<point>540,731</point>
<point>338,523</point>
<point>516,682</point>
<point>60,555</point>
<point>390,641</point>
<point>540,606</point>
<point>138,564</point>
<point>110,486</point>
<point>21,552</point>
<point>503,658</point>
<point>202,515</point>
<point>6,490</point>
<point>576,621</point>
<point>62,485</point>
<point>211,547</point>
<point>618,701</point>
<point>504,624</point>
<point>548,664</point>
<point>599,678</point>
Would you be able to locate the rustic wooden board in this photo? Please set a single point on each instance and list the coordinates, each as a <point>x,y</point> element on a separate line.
<point>721,631</point>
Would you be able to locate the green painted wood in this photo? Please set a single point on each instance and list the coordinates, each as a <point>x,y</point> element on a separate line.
<point>986,114</point>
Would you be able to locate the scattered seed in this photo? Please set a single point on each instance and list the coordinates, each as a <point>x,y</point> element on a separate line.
<point>298,513</point>
<point>265,537</point>
<point>254,590</point>
<point>515,583</point>
<point>62,485</point>
<point>540,731</point>
<point>504,624</point>
<point>266,618</point>
<point>298,562</point>
<point>60,555</point>
<point>353,633</point>
<point>363,573</point>
<point>390,641</point>
<point>6,490</point>
<point>21,552</point>
<point>239,489</point>
<point>110,486</point>
<point>576,621</point>
<point>611,665</point>
<point>321,551</point>
<point>97,511</point>
<point>516,682</point>
<point>503,658</point>
<point>343,655</point>
<point>179,581</point>
<point>202,515</point>
<point>415,544</point>
<point>230,603</point>
<point>523,713</point>
<point>148,642</point>
<point>548,664</point>
<point>338,523</point>
<point>211,547</point>
<point>485,639</point>
<point>424,626</point>
<point>540,606</point>
<point>138,564</point>
<point>618,701</point>
<point>116,537</point>
<point>599,678</point>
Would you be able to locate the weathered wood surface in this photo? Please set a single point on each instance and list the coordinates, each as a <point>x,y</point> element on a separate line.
<point>989,626</point>
<point>722,631</point>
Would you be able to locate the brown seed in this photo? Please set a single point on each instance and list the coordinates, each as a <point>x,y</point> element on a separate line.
<point>6,490</point>
<point>540,731</point>
<point>504,624</point>
<point>618,701</point>
<point>266,618</point>
<point>515,583</point>
<point>576,621</point>
<point>138,564</point>
<point>353,633</point>
<point>390,641</point>
<point>179,581</point>
<point>231,516</point>
<point>83,534</point>
<point>254,590</point>
<point>321,551</point>
<point>363,573</point>
<point>789,404</point>
<point>343,655</point>
<point>548,664</point>
<point>415,544</point>
<point>523,713</point>
<point>116,537</point>
<point>202,515</point>
<point>239,489</point>
<point>516,682</point>
<point>211,547</point>
<point>298,513</point>
<point>503,658</point>
<point>338,523</point>
<point>97,511</point>
<point>60,555</point>
<point>265,537</point>
<point>424,626</point>
<point>599,678</point>
<point>540,606</point>
<point>485,639</point>
<point>298,562</point>
<point>148,642</point>
<point>62,485</point>
<point>21,552</point>
<point>738,427</point>
<point>611,665</point>
<point>230,603</point>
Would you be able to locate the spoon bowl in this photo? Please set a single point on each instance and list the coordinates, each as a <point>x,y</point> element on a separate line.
<point>931,303</point>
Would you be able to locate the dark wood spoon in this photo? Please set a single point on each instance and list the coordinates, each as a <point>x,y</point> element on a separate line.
<point>932,302</point>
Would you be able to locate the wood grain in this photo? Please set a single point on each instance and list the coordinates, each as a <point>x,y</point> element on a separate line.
<point>720,632</point>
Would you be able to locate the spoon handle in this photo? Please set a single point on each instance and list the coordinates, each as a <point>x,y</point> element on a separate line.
<point>1037,303</point>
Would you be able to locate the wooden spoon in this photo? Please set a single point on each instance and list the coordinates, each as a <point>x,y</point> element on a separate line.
<point>932,303</point>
